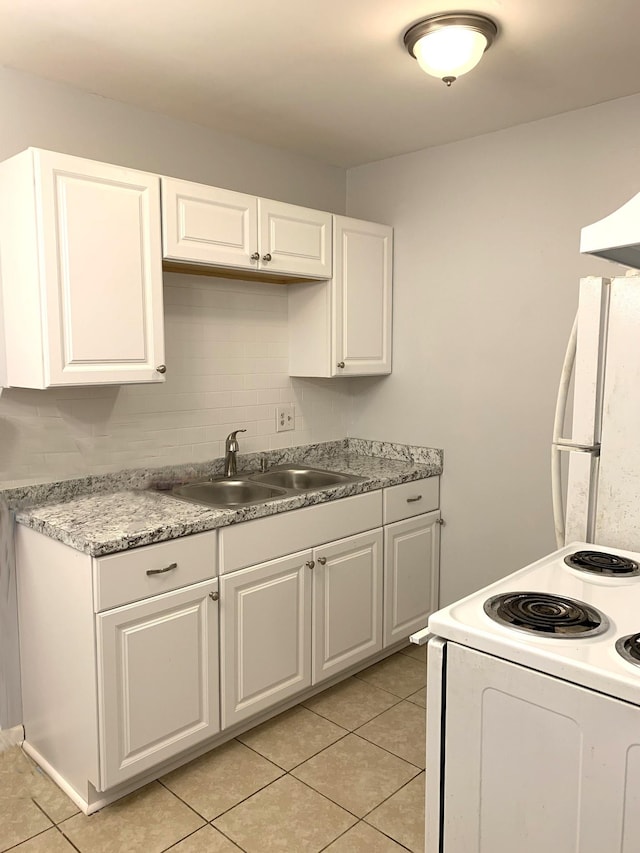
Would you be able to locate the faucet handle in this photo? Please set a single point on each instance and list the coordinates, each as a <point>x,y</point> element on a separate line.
<point>232,435</point>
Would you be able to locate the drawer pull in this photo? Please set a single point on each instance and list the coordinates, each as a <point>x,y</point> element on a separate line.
<point>414,500</point>
<point>162,571</point>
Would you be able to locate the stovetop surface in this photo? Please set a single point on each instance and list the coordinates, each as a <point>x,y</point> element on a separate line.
<point>591,661</point>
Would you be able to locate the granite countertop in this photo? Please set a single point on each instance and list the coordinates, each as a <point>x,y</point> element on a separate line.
<point>103,515</point>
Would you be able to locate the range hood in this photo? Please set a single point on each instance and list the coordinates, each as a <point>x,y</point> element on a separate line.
<point>617,236</point>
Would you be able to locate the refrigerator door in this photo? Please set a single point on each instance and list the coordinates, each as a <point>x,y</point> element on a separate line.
<point>617,516</point>
<point>584,445</point>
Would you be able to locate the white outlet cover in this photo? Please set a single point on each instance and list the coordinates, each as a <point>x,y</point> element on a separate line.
<point>285,418</point>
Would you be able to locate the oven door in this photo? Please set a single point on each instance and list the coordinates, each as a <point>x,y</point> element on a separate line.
<point>533,763</point>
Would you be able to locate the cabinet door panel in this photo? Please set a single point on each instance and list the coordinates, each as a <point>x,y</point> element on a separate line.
<point>158,680</point>
<point>208,225</point>
<point>102,271</point>
<point>297,238</point>
<point>362,297</point>
<point>265,635</point>
<point>347,603</point>
<point>411,571</point>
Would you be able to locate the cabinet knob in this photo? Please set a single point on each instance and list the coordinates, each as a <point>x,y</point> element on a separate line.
<point>341,364</point>
<point>266,257</point>
<point>440,521</point>
<point>310,564</point>
<point>255,256</point>
<point>322,561</point>
<point>161,368</point>
<point>214,596</point>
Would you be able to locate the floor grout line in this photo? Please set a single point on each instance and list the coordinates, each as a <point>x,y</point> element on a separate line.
<point>24,840</point>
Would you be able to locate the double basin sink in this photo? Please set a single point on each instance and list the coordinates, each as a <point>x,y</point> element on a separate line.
<point>247,490</point>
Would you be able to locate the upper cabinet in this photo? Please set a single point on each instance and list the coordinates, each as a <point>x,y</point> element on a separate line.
<point>342,327</point>
<point>215,227</point>
<point>81,273</point>
<point>82,249</point>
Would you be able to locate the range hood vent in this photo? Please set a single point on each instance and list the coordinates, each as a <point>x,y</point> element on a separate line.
<point>616,237</point>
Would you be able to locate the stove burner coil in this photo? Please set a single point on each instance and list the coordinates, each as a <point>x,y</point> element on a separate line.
<point>629,648</point>
<point>600,563</point>
<point>546,614</point>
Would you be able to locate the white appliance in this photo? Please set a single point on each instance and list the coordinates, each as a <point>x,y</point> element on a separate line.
<point>533,683</point>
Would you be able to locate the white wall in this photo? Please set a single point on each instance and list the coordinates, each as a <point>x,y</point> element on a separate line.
<point>226,342</point>
<point>485,288</point>
<point>39,113</point>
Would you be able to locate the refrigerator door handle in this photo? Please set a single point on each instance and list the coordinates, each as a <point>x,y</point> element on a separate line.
<point>558,423</point>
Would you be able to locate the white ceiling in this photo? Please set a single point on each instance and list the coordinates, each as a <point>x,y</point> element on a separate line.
<point>329,79</point>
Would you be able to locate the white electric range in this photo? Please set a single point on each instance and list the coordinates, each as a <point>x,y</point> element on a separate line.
<point>533,721</point>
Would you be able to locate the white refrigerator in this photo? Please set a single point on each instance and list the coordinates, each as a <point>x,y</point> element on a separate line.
<point>603,448</point>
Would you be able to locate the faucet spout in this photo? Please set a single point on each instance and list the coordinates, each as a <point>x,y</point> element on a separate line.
<point>231,448</point>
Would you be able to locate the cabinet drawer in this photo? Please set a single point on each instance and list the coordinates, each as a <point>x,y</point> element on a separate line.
<point>124,577</point>
<point>409,499</point>
<point>263,539</point>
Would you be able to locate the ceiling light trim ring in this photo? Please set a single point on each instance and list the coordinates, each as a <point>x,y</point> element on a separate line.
<point>478,23</point>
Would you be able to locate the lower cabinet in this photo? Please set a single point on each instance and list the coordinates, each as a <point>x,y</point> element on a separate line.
<point>295,621</point>
<point>347,603</point>
<point>411,574</point>
<point>176,653</point>
<point>157,679</point>
<point>265,635</point>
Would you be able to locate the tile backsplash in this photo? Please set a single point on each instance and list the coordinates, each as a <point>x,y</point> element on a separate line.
<point>226,353</point>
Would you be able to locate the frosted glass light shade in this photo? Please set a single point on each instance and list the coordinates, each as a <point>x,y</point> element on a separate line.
<point>450,44</point>
<point>450,51</point>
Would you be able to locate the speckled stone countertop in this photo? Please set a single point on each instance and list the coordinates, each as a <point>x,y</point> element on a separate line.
<point>102,515</point>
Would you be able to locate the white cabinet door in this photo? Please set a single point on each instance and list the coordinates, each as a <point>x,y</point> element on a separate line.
<point>347,603</point>
<point>265,635</point>
<point>342,327</point>
<point>362,297</point>
<point>535,763</point>
<point>221,228</point>
<point>295,240</point>
<point>158,688</point>
<point>81,272</point>
<point>411,575</point>
<point>208,225</point>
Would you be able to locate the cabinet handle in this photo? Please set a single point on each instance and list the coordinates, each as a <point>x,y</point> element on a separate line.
<point>341,364</point>
<point>440,521</point>
<point>214,596</point>
<point>162,571</point>
<point>310,564</point>
<point>322,561</point>
<point>255,256</point>
<point>161,368</point>
<point>266,257</point>
<point>414,500</point>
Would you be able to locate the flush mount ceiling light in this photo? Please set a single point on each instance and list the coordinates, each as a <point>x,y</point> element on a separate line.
<point>449,45</point>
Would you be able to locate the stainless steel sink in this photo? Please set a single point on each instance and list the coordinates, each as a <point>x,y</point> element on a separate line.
<point>229,493</point>
<point>284,481</point>
<point>302,479</point>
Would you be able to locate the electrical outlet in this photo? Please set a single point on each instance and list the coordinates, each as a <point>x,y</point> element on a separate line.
<point>285,418</point>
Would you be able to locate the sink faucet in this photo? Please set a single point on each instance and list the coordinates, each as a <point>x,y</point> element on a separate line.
<point>231,448</point>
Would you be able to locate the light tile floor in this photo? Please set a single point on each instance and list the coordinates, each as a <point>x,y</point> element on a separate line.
<point>343,772</point>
